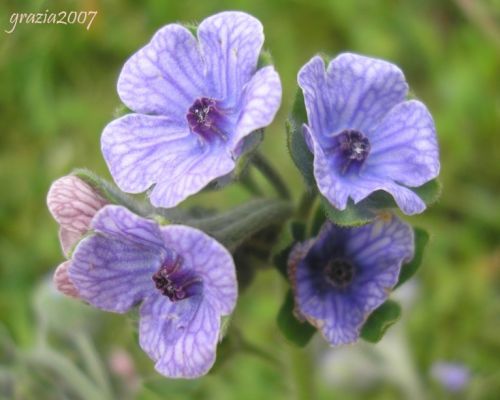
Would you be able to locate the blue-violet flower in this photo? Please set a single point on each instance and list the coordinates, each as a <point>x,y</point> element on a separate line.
<point>454,377</point>
<point>194,102</point>
<point>183,280</point>
<point>344,274</point>
<point>364,134</point>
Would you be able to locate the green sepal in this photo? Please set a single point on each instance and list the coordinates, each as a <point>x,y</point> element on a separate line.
<point>250,145</point>
<point>265,59</point>
<point>421,238</point>
<point>296,232</point>
<point>297,146</point>
<point>367,210</point>
<point>121,110</point>
<point>297,332</point>
<point>317,221</point>
<point>380,320</point>
<point>112,194</point>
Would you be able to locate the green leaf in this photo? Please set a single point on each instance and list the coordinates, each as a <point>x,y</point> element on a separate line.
<point>297,146</point>
<point>298,333</point>
<point>353,215</point>
<point>380,320</point>
<point>421,238</point>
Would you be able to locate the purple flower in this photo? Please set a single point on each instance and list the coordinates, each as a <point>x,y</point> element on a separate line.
<point>344,274</point>
<point>453,376</point>
<point>363,133</point>
<point>72,203</point>
<point>194,102</point>
<point>183,280</point>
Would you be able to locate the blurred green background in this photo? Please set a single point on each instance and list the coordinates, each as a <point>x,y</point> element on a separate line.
<point>57,91</point>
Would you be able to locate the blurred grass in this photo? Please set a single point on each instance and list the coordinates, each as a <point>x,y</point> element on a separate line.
<point>57,91</point>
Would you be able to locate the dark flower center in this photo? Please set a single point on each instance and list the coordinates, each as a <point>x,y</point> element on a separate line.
<point>174,283</point>
<point>206,119</point>
<point>354,147</point>
<point>339,272</point>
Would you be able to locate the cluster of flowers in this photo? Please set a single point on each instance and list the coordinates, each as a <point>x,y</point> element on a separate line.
<point>197,101</point>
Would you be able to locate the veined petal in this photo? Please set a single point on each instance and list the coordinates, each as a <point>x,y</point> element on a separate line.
<point>62,281</point>
<point>140,149</point>
<point>119,223</point>
<point>211,261</point>
<point>317,97</point>
<point>338,188</point>
<point>188,173</point>
<point>230,43</point>
<point>404,146</point>
<point>73,203</point>
<point>363,90</point>
<point>376,252</point>
<point>181,337</point>
<point>68,239</point>
<point>261,101</point>
<point>111,274</point>
<point>165,76</point>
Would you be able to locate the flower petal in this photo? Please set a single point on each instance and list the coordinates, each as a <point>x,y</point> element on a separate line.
<point>181,337</point>
<point>68,239</point>
<point>73,203</point>
<point>363,90</point>
<point>62,281</point>
<point>404,146</point>
<point>140,148</point>
<point>165,76</point>
<point>230,43</point>
<point>188,173</point>
<point>261,101</point>
<point>113,269</point>
<point>210,260</point>
<point>312,80</point>
<point>377,252</point>
<point>337,188</point>
<point>118,223</point>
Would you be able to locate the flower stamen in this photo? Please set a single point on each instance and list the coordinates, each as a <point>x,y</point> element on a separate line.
<point>339,272</point>
<point>205,119</point>
<point>354,148</point>
<point>173,283</point>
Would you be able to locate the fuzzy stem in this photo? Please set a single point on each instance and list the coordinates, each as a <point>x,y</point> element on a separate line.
<point>235,226</point>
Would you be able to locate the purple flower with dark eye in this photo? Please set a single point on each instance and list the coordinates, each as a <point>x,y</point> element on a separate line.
<point>195,101</point>
<point>344,274</point>
<point>363,133</point>
<point>183,280</point>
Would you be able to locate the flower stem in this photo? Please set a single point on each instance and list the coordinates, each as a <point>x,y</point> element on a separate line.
<point>235,226</point>
<point>268,171</point>
<point>302,373</point>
